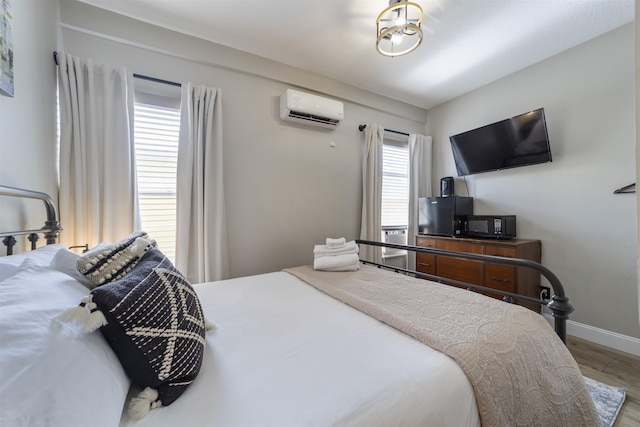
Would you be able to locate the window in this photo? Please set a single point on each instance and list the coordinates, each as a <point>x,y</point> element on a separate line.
<point>395,196</point>
<point>395,184</point>
<point>156,133</point>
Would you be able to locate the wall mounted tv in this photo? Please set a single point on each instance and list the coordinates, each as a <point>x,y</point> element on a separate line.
<point>518,141</point>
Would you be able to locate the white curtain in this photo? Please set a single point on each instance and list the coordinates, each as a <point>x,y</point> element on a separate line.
<point>98,200</point>
<point>371,224</point>
<point>201,231</point>
<point>419,184</point>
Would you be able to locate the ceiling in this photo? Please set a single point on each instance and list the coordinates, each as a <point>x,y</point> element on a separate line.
<point>467,43</point>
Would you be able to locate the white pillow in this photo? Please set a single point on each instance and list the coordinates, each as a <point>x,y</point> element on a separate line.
<point>50,374</point>
<point>65,261</point>
<point>7,270</point>
<point>41,255</point>
<point>57,256</point>
<point>9,264</point>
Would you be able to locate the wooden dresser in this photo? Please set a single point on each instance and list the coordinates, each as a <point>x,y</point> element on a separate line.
<point>520,280</point>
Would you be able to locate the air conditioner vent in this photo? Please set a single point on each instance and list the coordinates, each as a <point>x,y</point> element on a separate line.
<point>313,118</point>
<point>310,109</point>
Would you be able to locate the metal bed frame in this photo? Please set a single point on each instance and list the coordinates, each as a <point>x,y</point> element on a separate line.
<point>51,227</point>
<point>559,303</point>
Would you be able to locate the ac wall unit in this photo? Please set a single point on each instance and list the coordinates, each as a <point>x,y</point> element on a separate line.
<point>296,106</point>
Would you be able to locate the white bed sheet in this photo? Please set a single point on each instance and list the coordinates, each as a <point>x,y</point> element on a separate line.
<point>285,354</point>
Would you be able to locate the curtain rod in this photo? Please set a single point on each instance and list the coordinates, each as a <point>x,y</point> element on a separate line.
<point>137,76</point>
<point>362,127</point>
<point>156,80</point>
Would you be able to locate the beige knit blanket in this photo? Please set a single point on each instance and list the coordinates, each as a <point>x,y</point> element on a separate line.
<point>521,372</point>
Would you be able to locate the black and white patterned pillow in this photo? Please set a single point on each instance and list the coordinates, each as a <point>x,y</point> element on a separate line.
<point>108,262</point>
<point>153,320</point>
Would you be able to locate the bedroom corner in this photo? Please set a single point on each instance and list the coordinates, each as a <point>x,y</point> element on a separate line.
<point>28,119</point>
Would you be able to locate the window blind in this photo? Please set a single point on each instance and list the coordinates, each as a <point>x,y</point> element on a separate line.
<point>156,134</point>
<point>395,184</point>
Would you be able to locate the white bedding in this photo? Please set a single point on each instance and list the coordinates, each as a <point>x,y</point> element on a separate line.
<point>282,354</point>
<point>49,376</point>
<point>285,354</point>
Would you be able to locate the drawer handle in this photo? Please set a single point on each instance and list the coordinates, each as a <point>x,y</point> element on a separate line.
<point>498,279</point>
<point>426,264</point>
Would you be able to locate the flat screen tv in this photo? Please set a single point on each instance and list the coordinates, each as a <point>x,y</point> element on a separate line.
<point>518,141</point>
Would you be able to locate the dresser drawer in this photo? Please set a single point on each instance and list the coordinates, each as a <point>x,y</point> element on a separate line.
<point>459,269</point>
<point>500,277</point>
<point>425,242</point>
<point>460,246</point>
<point>500,251</point>
<point>426,263</point>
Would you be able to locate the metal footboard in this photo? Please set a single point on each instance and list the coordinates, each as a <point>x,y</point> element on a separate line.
<point>559,303</point>
<point>51,227</point>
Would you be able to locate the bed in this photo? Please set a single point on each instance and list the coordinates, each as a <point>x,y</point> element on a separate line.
<point>296,347</point>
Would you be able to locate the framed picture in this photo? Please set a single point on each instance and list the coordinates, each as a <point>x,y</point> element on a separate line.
<point>6,49</point>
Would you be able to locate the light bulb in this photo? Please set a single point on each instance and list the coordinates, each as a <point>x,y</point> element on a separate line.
<point>396,38</point>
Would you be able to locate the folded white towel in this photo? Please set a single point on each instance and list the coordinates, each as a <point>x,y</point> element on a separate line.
<point>346,262</point>
<point>336,243</point>
<point>350,247</point>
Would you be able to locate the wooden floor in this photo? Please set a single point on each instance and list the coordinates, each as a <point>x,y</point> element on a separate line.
<point>614,368</point>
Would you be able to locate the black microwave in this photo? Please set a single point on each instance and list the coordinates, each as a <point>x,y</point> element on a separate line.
<point>493,226</point>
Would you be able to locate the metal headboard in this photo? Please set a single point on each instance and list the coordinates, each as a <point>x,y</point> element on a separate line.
<point>559,304</point>
<point>51,227</point>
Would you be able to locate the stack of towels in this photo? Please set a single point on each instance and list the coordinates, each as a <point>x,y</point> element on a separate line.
<point>336,255</point>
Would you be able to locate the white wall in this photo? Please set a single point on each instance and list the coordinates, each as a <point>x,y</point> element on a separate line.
<point>588,234</point>
<point>637,28</point>
<point>28,120</point>
<point>286,188</point>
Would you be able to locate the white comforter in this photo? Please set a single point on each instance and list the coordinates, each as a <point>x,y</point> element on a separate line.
<point>285,354</point>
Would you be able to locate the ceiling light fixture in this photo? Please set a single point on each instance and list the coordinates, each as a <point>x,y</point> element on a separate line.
<point>398,28</point>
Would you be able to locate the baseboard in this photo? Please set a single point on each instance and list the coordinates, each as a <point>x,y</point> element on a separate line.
<point>610,339</point>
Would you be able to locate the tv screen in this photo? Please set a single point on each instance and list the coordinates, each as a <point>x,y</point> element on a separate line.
<point>519,141</point>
